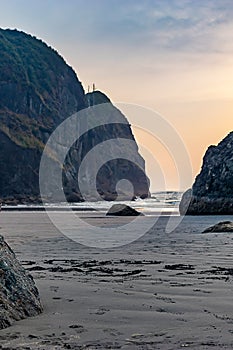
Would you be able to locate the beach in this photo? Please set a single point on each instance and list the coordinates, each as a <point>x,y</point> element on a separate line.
<point>162,291</point>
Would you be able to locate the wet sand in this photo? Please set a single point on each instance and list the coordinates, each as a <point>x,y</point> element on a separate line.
<point>163,291</point>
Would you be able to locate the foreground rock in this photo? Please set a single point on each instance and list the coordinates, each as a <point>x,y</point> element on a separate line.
<point>19,296</point>
<point>224,226</point>
<point>212,192</point>
<point>122,210</point>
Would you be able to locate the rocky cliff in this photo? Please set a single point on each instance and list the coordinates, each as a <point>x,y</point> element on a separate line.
<point>106,177</point>
<point>19,296</point>
<point>212,191</point>
<point>38,91</point>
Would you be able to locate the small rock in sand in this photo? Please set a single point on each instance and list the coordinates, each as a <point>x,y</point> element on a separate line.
<point>224,226</point>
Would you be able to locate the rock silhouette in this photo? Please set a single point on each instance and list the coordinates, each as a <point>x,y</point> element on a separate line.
<point>212,191</point>
<point>122,210</point>
<point>38,91</point>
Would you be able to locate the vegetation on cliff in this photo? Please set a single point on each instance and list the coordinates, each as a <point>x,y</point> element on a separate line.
<point>38,91</point>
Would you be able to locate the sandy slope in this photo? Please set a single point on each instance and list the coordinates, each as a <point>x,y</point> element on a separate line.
<point>164,291</point>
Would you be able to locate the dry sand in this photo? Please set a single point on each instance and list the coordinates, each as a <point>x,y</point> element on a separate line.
<point>164,291</point>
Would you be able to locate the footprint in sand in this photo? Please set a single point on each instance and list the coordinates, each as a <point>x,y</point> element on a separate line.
<point>54,288</point>
<point>78,327</point>
<point>112,331</point>
<point>101,311</point>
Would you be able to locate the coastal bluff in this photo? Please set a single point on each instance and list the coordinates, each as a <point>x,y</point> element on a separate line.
<point>212,191</point>
<point>39,91</point>
<point>19,297</point>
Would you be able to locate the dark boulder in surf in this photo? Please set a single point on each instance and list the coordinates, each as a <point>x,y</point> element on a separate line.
<point>123,210</point>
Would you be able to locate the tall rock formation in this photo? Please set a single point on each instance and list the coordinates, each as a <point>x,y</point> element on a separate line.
<point>212,192</point>
<point>106,177</point>
<point>38,91</point>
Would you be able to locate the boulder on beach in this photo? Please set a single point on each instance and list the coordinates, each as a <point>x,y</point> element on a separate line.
<point>212,191</point>
<point>224,226</point>
<point>19,297</point>
<point>123,210</point>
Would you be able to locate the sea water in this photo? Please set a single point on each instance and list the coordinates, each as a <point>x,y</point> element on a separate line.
<point>164,203</point>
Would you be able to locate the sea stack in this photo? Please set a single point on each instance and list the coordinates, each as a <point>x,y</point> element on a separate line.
<point>38,91</point>
<point>212,191</point>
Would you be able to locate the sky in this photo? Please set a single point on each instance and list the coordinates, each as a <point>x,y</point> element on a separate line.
<point>174,57</point>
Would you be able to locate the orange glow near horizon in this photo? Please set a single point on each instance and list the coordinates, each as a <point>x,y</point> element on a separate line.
<point>208,122</point>
<point>160,166</point>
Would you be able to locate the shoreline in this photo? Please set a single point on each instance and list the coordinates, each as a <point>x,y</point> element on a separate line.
<point>101,211</point>
<point>43,208</point>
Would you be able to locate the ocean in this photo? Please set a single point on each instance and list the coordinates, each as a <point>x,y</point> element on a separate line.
<point>161,202</point>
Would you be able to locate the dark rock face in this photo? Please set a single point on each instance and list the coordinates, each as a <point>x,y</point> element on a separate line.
<point>212,192</point>
<point>38,91</point>
<point>19,296</point>
<point>108,175</point>
<point>224,226</point>
<point>122,210</point>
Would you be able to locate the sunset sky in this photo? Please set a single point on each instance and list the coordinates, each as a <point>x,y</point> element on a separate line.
<point>171,56</point>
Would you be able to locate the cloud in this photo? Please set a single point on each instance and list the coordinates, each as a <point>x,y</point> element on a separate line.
<point>185,25</point>
<point>151,25</point>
